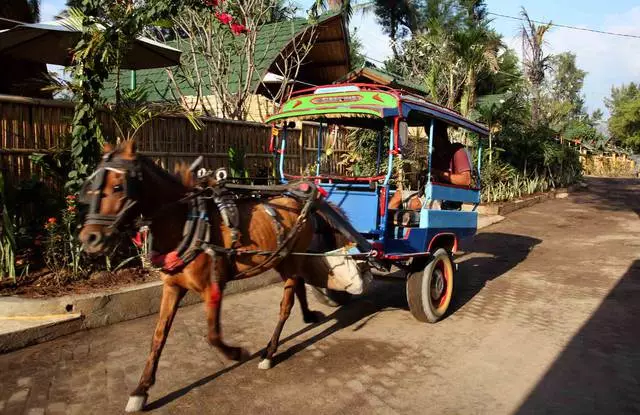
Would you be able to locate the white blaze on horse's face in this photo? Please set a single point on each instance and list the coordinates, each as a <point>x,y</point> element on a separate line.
<point>112,198</point>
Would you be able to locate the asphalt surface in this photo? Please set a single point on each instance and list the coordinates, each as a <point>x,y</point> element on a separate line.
<point>546,319</point>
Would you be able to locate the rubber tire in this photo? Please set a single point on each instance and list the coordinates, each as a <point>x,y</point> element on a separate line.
<point>331,298</point>
<point>418,289</point>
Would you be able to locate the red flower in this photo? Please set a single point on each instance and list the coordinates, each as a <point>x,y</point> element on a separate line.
<point>211,3</point>
<point>52,221</point>
<point>224,18</point>
<point>238,28</point>
<point>71,197</point>
<point>71,209</point>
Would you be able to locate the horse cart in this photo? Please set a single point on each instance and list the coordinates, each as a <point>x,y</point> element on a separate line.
<point>418,241</point>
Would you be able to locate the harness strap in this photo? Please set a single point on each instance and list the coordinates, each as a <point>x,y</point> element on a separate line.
<point>284,248</point>
<point>274,221</point>
<point>197,229</point>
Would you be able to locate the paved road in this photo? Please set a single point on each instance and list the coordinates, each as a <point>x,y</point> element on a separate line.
<point>547,320</point>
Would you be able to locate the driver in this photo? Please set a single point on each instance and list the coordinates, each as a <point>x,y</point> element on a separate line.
<point>449,164</point>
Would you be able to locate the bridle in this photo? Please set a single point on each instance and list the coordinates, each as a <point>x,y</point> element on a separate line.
<point>92,191</point>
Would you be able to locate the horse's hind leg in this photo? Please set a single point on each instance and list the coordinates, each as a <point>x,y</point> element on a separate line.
<point>308,315</point>
<point>171,296</point>
<point>288,298</point>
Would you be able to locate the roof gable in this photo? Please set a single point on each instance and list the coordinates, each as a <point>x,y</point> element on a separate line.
<point>271,40</point>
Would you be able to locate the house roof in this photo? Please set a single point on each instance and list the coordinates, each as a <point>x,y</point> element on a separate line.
<point>367,74</point>
<point>327,60</point>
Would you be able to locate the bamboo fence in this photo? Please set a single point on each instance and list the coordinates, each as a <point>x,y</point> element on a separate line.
<point>34,126</point>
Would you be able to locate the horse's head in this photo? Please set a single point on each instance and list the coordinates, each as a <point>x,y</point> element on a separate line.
<point>112,193</point>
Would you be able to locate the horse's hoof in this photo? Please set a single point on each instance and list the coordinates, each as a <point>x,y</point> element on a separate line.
<point>313,317</point>
<point>264,364</point>
<point>239,354</point>
<point>136,403</point>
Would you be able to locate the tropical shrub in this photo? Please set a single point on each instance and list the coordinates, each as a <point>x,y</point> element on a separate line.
<point>63,251</point>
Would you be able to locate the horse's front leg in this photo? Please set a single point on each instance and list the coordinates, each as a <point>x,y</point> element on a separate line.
<point>214,305</point>
<point>171,296</point>
<point>308,315</point>
<point>288,298</point>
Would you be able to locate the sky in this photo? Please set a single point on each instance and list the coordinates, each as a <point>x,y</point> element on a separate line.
<point>608,60</point>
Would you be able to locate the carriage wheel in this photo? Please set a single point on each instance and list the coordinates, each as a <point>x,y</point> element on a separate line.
<point>331,298</point>
<point>429,291</point>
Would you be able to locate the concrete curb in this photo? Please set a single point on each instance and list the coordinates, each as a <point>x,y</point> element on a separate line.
<point>97,309</point>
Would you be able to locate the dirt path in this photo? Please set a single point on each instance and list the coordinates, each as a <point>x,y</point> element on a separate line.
<point>547,319</point>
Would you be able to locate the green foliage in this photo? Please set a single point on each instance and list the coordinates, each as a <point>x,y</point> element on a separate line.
<point>356,55</point>
<point>362,155</point>
<point>454,48</point>
<point>624,123</point>
<point>507,79</point>
<point>586,134</point>
<point>7,239</point>
<point>237,169</point>
<point>108,29</point>
<point>562,97</point>
<point>133,111</point>
<point>535,61</point>
<point>397,18</point>
<point>63,251</point>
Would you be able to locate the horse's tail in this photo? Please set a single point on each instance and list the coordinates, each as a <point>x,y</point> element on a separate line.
<point>338,221</point>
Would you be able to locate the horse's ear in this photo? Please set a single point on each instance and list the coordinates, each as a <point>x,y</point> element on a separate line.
<point>107,148</point>
<point>129,149</point>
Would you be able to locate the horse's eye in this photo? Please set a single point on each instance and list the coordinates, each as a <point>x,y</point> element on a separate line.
<point>117,188</point>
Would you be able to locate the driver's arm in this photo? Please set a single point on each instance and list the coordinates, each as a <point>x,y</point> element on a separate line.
<point>461,172</point>
<point>459,179</point>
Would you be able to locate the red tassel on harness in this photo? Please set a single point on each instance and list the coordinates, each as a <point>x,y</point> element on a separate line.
<point>168,262</point>
<point>214,297</point>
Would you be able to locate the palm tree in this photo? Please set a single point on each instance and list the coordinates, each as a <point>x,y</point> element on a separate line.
<point>478,49</point>
<point>535,61</point>
<point>343,6</point>
<point>396,18</point>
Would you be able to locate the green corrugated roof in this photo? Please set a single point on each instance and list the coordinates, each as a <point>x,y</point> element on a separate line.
<point>388,79</point>
<point>270,41</point>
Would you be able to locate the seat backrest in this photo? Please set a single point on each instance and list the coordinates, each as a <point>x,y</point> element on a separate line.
<point>358,201</point>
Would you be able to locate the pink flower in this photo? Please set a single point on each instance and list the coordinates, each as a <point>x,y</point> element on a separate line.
<point>224,18</point>
<point>238,28</point>
<point>72,209</point>
<point>52,221</point>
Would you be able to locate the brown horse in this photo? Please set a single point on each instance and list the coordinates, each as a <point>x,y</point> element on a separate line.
<point>130,185</point>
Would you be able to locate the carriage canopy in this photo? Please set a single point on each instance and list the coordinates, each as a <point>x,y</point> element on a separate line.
<point>367,105</point>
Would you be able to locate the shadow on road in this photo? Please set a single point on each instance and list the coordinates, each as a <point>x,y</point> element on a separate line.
<point>504,251</point>
<point>612,194</point>
<point>599,370</point>
<point>500,252</point>
<point>383,295</point>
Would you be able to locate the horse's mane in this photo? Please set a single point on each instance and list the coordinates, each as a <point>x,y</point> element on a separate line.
<point>182,175</point>
<point>186,176</point>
